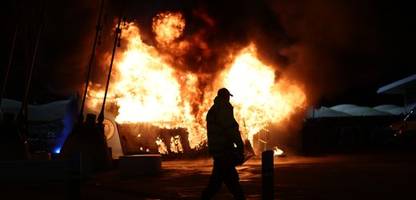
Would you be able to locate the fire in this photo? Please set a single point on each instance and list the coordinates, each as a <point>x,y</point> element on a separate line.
<point>277,151</point>
<point>146,88</point>
<point>168,26</point>
<point>258,99</point>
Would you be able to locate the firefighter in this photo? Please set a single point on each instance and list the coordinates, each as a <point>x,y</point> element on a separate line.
<point>225,146</point>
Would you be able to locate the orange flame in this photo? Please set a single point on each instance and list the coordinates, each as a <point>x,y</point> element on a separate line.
<point>168,26</point>
<point>258,99</point>
<point>146,88</point>
<point>277,151</point>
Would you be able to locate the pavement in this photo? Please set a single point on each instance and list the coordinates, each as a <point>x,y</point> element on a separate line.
<point>354,176</point>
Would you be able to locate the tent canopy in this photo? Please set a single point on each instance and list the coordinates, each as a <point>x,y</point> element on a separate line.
<point>400,86</point>
<point>351,110</point>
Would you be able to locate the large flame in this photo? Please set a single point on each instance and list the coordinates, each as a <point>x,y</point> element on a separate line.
<point>146,88</point>
<point>259,99</point>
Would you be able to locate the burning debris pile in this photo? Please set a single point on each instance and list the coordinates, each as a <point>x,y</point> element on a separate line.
<point>148,88</point>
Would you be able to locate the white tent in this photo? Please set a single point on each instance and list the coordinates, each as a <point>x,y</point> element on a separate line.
<point>351,110</point>
<point>366,111</point>
<point>323,112</point>
<point>44,112</point>
<point>344,107</point>
<point>392,109</point>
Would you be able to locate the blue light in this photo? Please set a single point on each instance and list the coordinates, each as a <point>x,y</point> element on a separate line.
<point>68,123</point>
<point>57,150</point>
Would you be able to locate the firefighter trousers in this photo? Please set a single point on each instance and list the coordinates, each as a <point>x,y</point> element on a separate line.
<point>223,172</point>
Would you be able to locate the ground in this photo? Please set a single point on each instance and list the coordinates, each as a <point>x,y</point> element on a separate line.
<point>370,176</point>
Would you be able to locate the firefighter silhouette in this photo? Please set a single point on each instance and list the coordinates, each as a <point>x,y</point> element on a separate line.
<point>225,146</point>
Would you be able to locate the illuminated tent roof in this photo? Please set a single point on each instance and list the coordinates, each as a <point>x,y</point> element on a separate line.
<point>45,112</point>
<point>351,110</point>
<point>56,117</point>
<point>400,86</point>
<point>344,107</point>
<point>385,107</point>
<point>392,109</point>
<point>365,111</point>
<point>325,112</point>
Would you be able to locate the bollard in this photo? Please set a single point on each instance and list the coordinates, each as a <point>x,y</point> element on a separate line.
<point>267,170</point>
<point>74,179</point>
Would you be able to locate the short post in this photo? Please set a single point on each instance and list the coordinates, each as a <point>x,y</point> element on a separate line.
<point>74,179</point>
<point>267,170</point>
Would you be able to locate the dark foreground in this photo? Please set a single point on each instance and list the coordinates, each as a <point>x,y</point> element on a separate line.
<point>376,176</point>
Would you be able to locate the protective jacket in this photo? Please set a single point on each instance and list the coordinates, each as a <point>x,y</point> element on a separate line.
<point>222,129</point>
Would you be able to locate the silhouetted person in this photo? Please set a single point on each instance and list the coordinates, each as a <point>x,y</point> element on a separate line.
<point>225,146</point>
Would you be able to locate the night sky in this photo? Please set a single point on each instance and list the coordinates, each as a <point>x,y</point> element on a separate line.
<point>343,51</point>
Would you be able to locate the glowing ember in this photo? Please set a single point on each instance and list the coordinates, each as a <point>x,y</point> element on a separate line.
<point>175,144</point>
<point>146,88</point>
<point>277,151</point>
<point>162,147</point>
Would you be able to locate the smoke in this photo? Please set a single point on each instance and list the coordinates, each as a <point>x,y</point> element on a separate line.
<point>323,43</point>
<point>342,46</point>
<point>70,32</point>
<point>231,25</point>
<point>64,46</point>
<point>325,32</point>
<point>214,29</point>
<point>317,43</point>
<point>328,46</point>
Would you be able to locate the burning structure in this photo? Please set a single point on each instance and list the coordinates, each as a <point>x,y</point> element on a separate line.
<point>160,106</point>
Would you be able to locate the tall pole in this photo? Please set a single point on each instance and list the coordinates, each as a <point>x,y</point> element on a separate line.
<point>116,43</point>
<point>23,108</point>
<point>9,64</point>
<point>23,113</point>
<point>91,61</point>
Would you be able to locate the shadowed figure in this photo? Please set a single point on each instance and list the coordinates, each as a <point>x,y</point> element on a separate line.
<point>225,146</point>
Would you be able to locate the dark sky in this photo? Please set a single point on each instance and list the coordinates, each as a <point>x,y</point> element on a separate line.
<point>342,50</point>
